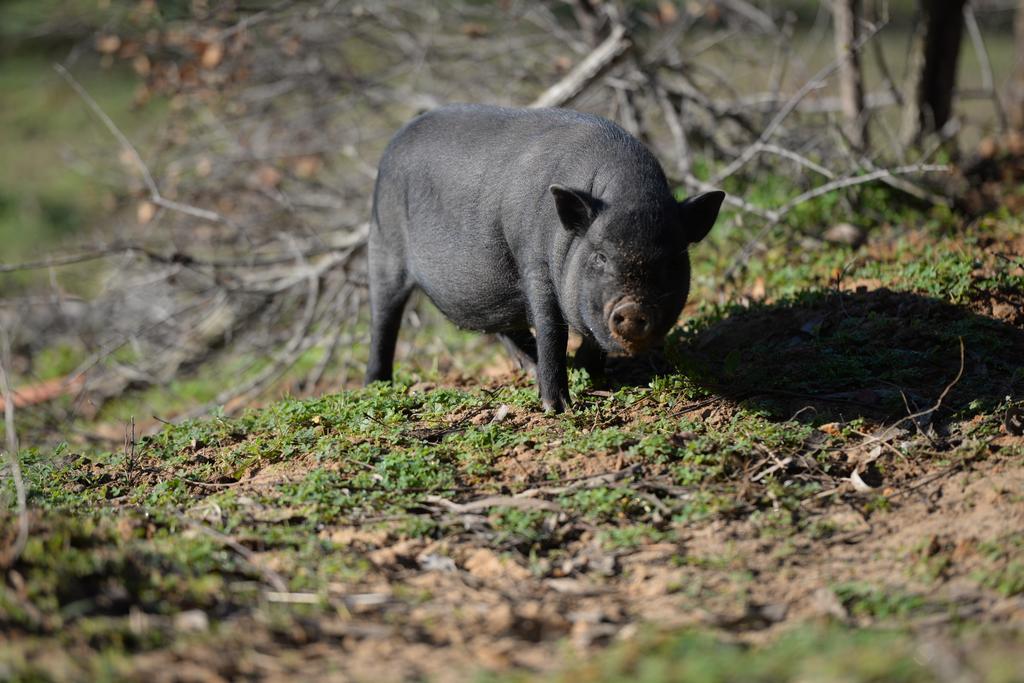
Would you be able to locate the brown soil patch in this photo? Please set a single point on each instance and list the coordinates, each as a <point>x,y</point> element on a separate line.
<point>443,608</point>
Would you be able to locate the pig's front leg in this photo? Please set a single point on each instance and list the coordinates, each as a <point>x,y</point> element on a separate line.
<point>552,339</point>
<point>591,358</point>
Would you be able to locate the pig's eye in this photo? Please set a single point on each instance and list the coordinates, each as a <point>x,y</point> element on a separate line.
<point>598,260</point>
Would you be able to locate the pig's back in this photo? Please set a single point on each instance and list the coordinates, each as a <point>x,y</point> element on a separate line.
<point>476,166</point>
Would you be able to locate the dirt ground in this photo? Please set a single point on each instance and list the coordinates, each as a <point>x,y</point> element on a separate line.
<point>849,459</point>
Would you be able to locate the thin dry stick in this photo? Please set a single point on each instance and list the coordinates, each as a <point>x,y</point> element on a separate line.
<point>131,461</point>
<point>791,105</point>
<point>269,575</point>
<point>741,204</point>
<point>147,177</point>
<point>799,159</point>
<point>945,392</point>
<point>337,321</point>
<point>987,81</point>
<point>904,185</point>
<point>753,14</point>
<point>675,125</point>
<point>179,257</point>
<point>841,183</point>
<point>60,260</point>
<point>890,432</point>
<point>11,555</point>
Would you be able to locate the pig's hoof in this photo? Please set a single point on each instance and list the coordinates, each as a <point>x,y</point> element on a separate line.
<point>561,404</point>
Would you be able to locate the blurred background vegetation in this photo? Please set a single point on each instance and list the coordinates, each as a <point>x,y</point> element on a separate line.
<point>60,176</point>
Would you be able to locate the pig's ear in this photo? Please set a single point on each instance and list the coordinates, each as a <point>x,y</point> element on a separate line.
<point>576,210</point>
<point>698,213</point>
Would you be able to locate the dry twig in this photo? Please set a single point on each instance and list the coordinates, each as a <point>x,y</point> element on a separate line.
<point>12,553</point>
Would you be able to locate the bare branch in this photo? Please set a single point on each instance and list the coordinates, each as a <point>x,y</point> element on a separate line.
<point>587,70</point>
<point>751,13</point>
<point>984,65</point>
<point>140,165</point>
<point>815,82</point>
<point>841,183</point>
<point>674,120</point>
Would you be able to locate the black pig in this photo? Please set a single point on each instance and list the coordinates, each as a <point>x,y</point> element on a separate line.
<point>512,218</point>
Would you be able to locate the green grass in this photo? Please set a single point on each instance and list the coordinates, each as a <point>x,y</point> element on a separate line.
<point>824,653</point>
<point>1003,568</point>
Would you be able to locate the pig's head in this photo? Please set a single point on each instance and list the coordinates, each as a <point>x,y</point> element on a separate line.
<point>626,274</point>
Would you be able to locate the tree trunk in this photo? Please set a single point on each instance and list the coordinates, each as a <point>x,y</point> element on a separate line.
<point>937,51</point>
<point>845,14</point>
<point>1017,92</point>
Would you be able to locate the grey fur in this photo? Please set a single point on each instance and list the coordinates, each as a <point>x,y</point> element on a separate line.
<point>498,216</point>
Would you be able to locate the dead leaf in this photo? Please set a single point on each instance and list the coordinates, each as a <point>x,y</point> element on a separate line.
<point>191,621</point>
<point>563,63</point>
<point>831,428</point>
<point>486,564</point>
<point>141,65</point>
<point>1005,441</point>
<point>204,166</point>
<point>212,55</point>
<point>667,12</point>
<point>403,551</point>
<point>41,392</point>
<point>844,233</point>
<point>988,148</point>
<point>1015,143</point>
<point>108,44</point>
<point>346,536</point>
<point>307,166</point>
<point>291,46</point>
<point>432,562</point>
<point>144,212</point>
<point>758,290</point>
<point>827,603</point>
<point>474,30</point>
<point>267,177</point>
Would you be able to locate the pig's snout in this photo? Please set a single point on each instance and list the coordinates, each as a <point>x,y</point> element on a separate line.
<point>630,323</point>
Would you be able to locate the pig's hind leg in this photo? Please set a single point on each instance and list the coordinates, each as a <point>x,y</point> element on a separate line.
<point>522,346</point>
<point>591,358</point>
<point>390,287</point>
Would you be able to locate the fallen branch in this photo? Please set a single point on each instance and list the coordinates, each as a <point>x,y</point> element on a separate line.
<point>610,49</point>
<point>517,502</point>
<point>41,392</point>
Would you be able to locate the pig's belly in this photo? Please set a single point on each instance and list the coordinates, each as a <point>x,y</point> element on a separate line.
<point>472,288</point>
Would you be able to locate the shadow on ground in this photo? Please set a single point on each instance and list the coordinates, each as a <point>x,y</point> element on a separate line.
<point>830,355</point>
